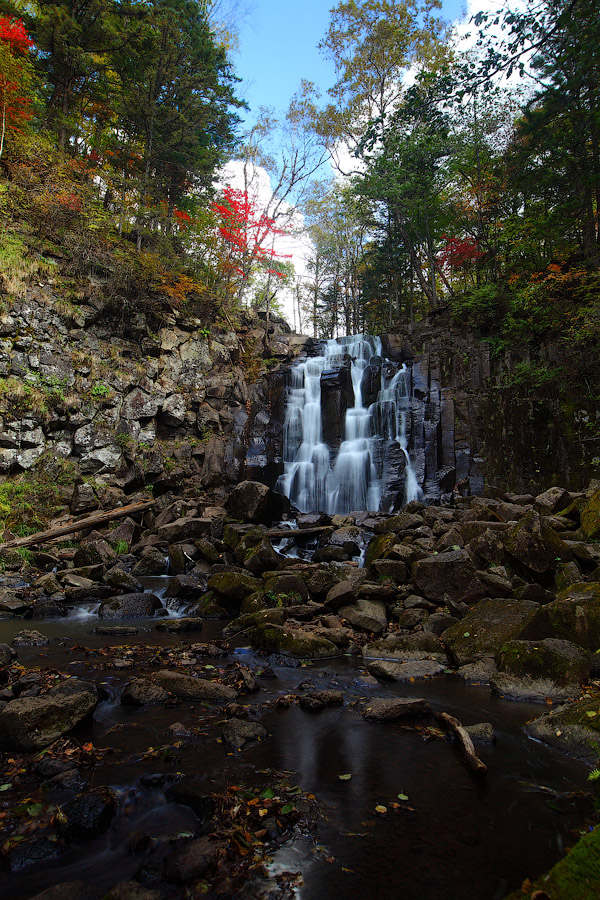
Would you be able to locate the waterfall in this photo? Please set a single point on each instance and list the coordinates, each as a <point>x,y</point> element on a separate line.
<point>322,476</point>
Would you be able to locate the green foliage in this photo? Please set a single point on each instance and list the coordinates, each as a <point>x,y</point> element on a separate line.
<point>483,307</point>
<point>30,500</point>
<point>121,547</point>
<point>100,390</point>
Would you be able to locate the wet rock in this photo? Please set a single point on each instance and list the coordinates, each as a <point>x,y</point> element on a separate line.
<point>405,648</point>
<point>379,548</point>
<point>49,583</point>
<point>486,628</point>
<point>130,606</point>
<point>143,692</point>
<point>288,641</point>
<point>367,615</point>
<point>30,639</point>
<point>189,688</point>
<point>482,733</point>
<point>255,502</point>
<point>49,608</point>
<point>480,672</point>
<point>342,594</point>
<point>90,813</point>
<point>315,701</point>
<point>234,586</point>
<point>176,626</point>
<point>35,851</point>
<point>34,722</point>
<point>188,528</point>
<point>538,670</point>
<point>408,671</point>
<point>236,733</point>
<point>450,574</point>
<point>192,860</point>
<point>384,710</point>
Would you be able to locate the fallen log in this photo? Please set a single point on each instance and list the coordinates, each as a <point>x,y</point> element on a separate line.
<point>298,532</point>
<point>471,759</point>
<point>93,521</point>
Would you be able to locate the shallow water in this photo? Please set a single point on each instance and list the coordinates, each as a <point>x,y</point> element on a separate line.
<point>453,838</point>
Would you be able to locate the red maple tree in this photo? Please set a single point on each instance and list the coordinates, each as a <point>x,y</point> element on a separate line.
<point>460,253</point>
<point>247,233</point>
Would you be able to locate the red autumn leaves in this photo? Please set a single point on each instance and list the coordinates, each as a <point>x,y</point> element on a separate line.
<point>14,104</point>
<point>247,232</point>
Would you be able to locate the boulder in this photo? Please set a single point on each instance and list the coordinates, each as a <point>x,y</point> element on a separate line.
<point>29,638</point>
<point>31,723</point>
<point>536,547</point>
<point>366,615</point>
<point>122,581</point>
<point>188,528</point>
<point>94,553</point>
<point>151,562</point>
<point>486,628</point>
<point>255,502</point>
<point>142,692</point>
<point>573,616</point>
<point>448,575</point>
<point>480,672</point>
<point>177,626</point>
<point>290,642</point>
<point>130,606</point>
<point>234,586</point>
<point>482,733</point>
<point>189,688</point>
<point>236,733</point>
<point>552,500</point>
<point>559,662</point>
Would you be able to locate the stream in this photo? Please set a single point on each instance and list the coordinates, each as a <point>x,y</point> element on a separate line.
<point>452,836</point>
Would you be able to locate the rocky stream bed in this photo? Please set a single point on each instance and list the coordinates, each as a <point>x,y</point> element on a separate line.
<point>232,701</point>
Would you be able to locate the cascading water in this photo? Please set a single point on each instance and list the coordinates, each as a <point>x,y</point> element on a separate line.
<point>318,476</point>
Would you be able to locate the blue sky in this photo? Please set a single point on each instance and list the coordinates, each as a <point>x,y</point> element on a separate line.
<point>278,47</point>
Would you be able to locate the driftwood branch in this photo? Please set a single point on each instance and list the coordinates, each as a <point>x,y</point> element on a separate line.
<point>93,521</point>
<point>298,532</point>
<point>476,766</point>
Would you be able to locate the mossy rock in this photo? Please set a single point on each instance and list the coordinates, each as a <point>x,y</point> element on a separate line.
<point>573,616</point>
<point>234,586</point>
<point>486,628</point>
<point>590,516</point>
<point>210,607</point>
<point>561,661</point>
<point>573,728</point>
<point>380,547</point>
<point>255,603</point>
<point>289,589</point>
<point>290,642</point>
<point>535,548</point>
<point>252,619</point>
<point>575,877</point>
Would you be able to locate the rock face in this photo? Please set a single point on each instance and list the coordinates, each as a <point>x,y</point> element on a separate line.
<point>32,723</point>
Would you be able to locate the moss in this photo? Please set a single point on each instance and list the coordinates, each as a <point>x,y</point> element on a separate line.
<point>531,659</point>
<point>234,585</point>
<point>576,877</point>
<point>380,547</point>
<point>278,639</point>
<point>590,516</point>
